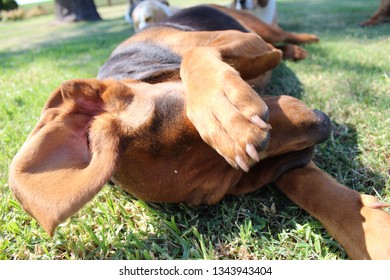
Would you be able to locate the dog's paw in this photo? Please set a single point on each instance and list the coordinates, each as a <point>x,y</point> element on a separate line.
<point>293,52</point>
<point>232,118</point>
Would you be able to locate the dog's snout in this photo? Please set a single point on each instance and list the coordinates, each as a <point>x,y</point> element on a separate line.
<point>323,126</point>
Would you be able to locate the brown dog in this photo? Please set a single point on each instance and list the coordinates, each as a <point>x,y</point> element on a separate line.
<point>172,119</point>
<point>265,10</point>
<point>382,14</point>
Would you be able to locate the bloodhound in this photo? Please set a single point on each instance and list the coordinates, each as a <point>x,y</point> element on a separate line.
<point>172,117</point>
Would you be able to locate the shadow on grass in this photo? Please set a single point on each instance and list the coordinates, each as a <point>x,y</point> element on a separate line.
<point>284,82</point>
<point>339,157</point>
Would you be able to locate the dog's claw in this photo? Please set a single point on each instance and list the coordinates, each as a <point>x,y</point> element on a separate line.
<point>379,205</point>
<point>372,202</point>
<point>242,164</point>
<point>232,163</point>
<point>259,122</point>
<point>252,152</point>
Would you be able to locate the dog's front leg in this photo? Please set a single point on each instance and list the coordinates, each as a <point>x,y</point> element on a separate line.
<point>356,221</point>
<point>228,114</point>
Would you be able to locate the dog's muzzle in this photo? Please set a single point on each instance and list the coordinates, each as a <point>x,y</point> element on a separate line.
<point>324,126</point>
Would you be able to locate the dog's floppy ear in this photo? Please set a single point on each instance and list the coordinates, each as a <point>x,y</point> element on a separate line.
<point>68,157</point>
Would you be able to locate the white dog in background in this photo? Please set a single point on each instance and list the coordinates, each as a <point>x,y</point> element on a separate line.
<point>151,11</point>
<point>142,13</point>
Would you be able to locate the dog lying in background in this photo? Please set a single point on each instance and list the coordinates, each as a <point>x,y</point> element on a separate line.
<point>266,11</point>
<point>149,12</point>
<point>146,12</point>
<point>381,15</point>
<point>172,117</point>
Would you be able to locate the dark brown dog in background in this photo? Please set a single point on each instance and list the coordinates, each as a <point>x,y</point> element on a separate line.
<point>173,118</point>
<point>381,15</point>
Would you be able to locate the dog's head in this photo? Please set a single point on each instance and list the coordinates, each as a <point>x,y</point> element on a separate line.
<point>148,12</point>
<point>92,130</point>
<point>133,4</point>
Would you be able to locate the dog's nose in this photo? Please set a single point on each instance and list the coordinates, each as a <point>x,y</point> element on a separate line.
<point>324,126</point>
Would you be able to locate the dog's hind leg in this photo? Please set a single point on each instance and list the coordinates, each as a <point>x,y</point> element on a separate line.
<point>293,52</point>
<point>294,38</point>
<point>355,220</point>
<point>270,33</point>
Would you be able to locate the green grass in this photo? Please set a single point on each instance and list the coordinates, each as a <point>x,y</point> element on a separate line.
<point>346,76</point>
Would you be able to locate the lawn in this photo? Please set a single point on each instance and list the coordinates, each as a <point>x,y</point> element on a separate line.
<point>347,75</point>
